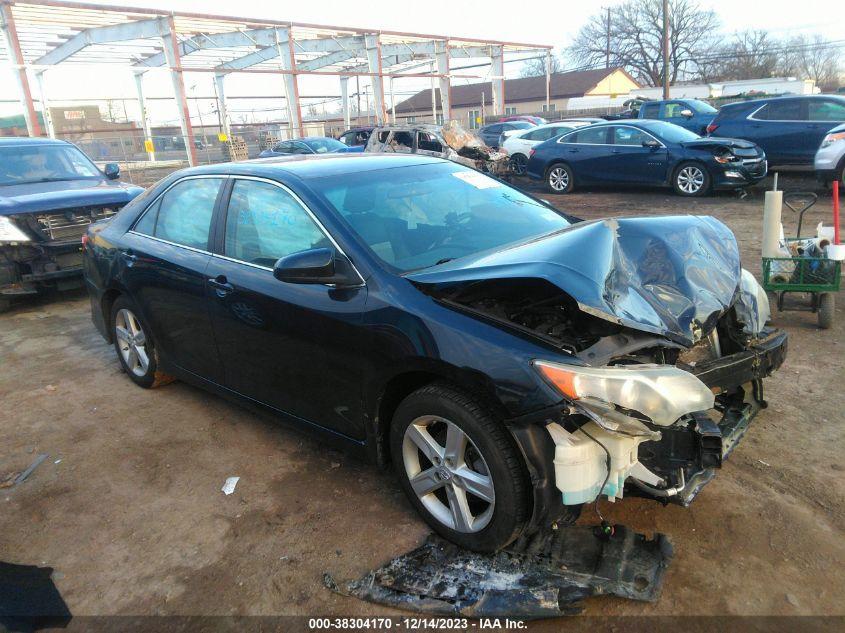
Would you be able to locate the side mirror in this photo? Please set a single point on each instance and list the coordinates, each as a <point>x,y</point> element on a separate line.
<point>316,266</point>
<point>686,113</point>
<point>651,144</point>
<point>112,171</point>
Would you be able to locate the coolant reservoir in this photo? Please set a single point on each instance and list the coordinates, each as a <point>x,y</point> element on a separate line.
<point>581,464</point>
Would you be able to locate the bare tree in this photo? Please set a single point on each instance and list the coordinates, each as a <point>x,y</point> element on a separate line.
<point>537,67</point>
<point>751,54</point>
<point>812,58</point>
<point>636,34</point>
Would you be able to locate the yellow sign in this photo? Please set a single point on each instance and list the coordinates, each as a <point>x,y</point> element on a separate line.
<point>478,119</point>
<point>222,137</point>
<point>149,146</point>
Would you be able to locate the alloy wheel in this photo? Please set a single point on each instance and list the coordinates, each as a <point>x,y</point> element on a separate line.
<point>690,179</point>
<point>132,342</point>
<point>558,179</point>
<point>448,474</point>
<point>519,164</point>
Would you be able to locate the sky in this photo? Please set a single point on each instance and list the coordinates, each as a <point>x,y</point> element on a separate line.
<point>553,24</point>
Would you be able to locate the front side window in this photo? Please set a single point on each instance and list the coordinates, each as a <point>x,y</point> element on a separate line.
<point>673,109</point>
<point>183,214</point>
<point>265,222</point>
<point>427,142</point>
<point>419,216</point>
<point>825,110</point>
<point>629,136</point>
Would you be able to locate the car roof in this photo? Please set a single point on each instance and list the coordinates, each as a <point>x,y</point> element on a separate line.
<point>765,100</point>
<point>314,166</point>
<point>13,141</point>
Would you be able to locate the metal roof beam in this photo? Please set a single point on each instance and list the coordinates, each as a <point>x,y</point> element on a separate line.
<point>326,60</point>
<point>101,35</point>
<point>256,57</point>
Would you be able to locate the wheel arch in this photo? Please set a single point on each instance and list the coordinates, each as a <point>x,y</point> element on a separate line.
<point>106,302</point>
<point>386,394</point>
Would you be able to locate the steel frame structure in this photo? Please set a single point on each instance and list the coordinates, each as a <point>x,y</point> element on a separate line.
<point>39,35</point>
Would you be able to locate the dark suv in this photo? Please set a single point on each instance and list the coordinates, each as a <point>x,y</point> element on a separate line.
<point>788,129</point>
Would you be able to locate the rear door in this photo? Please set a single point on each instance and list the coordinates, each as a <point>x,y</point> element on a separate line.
<point>165,259</point>
<point>294,347</point>
<point>781,128</point>
<point>631,162</point>
<point>588,153</point>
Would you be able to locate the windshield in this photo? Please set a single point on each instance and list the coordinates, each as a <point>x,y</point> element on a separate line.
<point>702,108</point>
<point>324,145</point>
<point>670,132</point>
<point>424,215</point>
<point>44,163</point>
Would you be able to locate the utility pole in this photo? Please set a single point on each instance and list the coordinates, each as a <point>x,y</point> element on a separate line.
<point>665,49</point>
<point>607,48</point>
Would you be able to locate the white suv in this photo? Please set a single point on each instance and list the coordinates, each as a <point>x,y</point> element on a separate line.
<point>830,158</point>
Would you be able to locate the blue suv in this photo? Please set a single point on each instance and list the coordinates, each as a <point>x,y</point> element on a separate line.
<point>789,129</point>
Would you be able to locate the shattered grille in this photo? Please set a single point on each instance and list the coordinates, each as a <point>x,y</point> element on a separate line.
<point>71,225</point>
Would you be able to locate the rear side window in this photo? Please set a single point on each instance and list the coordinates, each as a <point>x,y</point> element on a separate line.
<point>183,214</point>
<point>786,110</point>
<point>264,222</point>
<point>824,110</point>
<point>650,111</point>
<point>589,135</point>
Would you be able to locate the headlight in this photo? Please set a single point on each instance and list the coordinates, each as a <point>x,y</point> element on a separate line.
<point>752,306</point>
<point>11,233</point>
<point>830,139</point>
<point>662,392</point>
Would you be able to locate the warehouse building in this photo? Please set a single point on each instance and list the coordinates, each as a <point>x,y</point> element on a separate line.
<point>471,103</point>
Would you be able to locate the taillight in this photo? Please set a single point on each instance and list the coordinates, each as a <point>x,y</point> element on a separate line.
<point>712,128</point>
<point>531,153</point>
<point>84,242</point>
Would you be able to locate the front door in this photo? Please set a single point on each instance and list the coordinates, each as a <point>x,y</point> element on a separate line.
<point>631,162</point>
<point>164,269</point>
<point>294,347</point>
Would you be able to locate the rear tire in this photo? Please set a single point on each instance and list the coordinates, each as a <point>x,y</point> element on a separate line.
<point>519,164</point>
<point>460,468</point>
<point>559,178</point>
<point>827,308</point>
<point>134,345</point>
<point>691,179</point>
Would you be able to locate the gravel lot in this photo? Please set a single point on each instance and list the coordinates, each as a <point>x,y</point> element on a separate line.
<point>133,520</point>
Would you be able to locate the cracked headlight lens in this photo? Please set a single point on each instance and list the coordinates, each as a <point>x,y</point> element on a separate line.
<point>663,393</point>
<point>11,233</point>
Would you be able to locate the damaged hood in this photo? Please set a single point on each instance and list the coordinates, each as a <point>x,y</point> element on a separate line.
<point>672,276</point>
<point>715,141</point>
<point>40,197</point>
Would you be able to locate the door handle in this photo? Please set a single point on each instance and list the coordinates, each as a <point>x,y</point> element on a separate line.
<point>615,151</point>
<point>573,150</point>
<point>221,286</point>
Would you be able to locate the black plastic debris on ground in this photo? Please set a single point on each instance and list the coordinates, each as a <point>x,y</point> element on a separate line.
<point>29,600</point>
<point>539,576</point>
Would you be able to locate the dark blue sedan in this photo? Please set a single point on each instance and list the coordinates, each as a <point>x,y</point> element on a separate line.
<point>423,313</point>
<point>49,193</point>
<point>655,153</point>
<point>305,146</point>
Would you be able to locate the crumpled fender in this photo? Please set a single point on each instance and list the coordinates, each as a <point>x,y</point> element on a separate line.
<point>673,276</point>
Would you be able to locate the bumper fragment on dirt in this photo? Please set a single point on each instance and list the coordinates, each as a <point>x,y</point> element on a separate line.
<point>540,576</point>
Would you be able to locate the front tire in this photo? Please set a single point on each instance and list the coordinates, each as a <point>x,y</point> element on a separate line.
<point>460,468</point>
<point>559,178</point>
<point>134,346</point>
<point>691,179</point>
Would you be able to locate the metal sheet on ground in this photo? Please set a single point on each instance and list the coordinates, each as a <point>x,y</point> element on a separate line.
<point>543,575</point>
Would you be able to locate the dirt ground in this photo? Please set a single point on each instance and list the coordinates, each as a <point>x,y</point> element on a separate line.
<point>129,512</point>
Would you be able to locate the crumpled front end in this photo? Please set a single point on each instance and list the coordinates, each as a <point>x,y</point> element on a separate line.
<point>660,350</point>
<point>44,249</point>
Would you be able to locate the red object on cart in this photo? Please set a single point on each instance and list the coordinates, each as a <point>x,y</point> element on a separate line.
<point>836,212</point>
